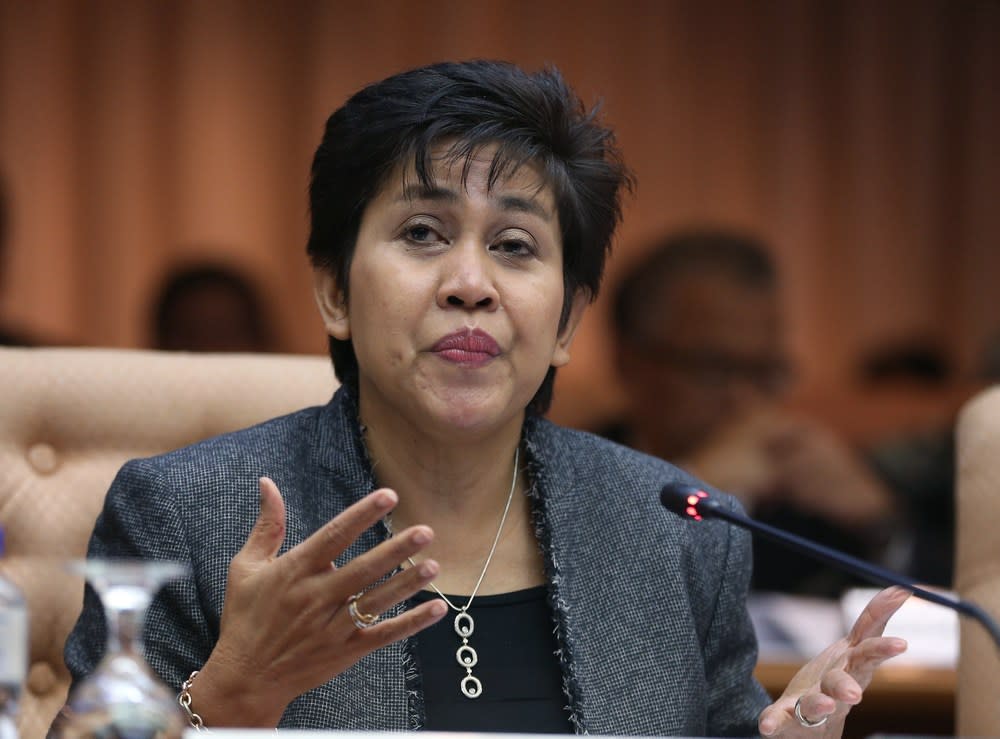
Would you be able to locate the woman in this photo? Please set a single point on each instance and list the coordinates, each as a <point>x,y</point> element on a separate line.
<point>461,214</point>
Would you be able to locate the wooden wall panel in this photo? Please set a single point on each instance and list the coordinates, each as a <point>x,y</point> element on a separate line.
<point>859,138</point>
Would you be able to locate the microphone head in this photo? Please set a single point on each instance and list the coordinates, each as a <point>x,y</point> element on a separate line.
<point>687,501</point>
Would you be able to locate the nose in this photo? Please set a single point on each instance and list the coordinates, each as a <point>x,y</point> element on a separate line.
<point>468,279</point>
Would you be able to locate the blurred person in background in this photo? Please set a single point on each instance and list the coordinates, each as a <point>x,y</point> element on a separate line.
<point>210,308</point>
<point>989,366</point>
<point>700,350</point>
<point>916,457</point>
<point>9,336</point>
<point>909,382</point>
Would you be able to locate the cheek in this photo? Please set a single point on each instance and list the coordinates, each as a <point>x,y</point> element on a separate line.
<point>538,329</point>
<point>539,307</point>
<point>379,324</point>
<point>382,297</point>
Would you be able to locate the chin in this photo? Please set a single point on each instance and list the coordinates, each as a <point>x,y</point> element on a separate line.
<point>470,411</point>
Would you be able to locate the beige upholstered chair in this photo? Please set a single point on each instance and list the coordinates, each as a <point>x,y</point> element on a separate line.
<point>977,565</point>
<point>68,419</point>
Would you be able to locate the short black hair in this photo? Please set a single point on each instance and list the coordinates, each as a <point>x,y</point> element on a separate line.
<point>531,118</point>
<point>743,257</point>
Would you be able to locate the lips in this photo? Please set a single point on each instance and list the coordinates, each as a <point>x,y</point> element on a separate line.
<point>471,347</point>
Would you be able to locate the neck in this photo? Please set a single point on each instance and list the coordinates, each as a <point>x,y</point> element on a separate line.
<point>441,478</point>
<point>439,487</point>
<point>460,491</point>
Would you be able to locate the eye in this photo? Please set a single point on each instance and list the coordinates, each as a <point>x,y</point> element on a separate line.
<point>514,247</point>
<point>421,233</point>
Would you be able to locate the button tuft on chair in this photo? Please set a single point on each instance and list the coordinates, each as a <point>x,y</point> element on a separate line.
<point>43,458</point>
<point>41,678</point>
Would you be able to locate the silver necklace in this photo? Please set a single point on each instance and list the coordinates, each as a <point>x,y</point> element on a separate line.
<point>466,655</point>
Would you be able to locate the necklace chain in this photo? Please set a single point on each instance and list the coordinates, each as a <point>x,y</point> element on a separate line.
<point>464,625</point>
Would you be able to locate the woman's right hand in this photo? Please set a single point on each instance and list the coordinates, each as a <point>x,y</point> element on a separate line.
<point>285,622</point>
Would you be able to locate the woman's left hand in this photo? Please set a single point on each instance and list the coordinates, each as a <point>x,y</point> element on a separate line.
<point>829,684</point>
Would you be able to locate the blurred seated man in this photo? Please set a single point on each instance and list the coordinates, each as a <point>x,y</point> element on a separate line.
<point>210,308</point>
<point>916,457</point>
<point>910,381</point>
<point>701,355</point>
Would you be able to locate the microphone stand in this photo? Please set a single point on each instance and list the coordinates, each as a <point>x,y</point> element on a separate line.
<point>690,502</point>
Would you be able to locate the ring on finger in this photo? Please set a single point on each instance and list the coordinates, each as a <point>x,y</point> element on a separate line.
<point>803,720</point>
<point>361,620</point>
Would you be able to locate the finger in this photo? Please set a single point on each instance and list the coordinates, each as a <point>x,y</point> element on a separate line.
<point>398,588</point>
<point>399,627</point>
<point>770,720</point>
<point>268,531</point>
<point>814,707</point>
<point>337,534</point>
<point>841,686</point>
<point>779,717</point>
<point>865,658</point>
<point>848,683</point>
<point>876,649</point>
<point>876,615</point>
<point>365,569</point>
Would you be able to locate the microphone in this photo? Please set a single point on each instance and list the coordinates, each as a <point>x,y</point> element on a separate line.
<point>691,502</point>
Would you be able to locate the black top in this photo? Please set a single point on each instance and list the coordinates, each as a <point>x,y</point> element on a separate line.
<point>517,666</point>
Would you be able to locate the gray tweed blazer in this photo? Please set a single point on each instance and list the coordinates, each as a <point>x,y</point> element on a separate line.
<point>649,610</point>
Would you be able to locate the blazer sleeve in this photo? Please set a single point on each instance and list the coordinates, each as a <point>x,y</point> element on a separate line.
<point>735,697</point>
<point>142,520</point>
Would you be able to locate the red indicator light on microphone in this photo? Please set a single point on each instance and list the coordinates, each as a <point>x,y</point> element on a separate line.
<point>693,500</point>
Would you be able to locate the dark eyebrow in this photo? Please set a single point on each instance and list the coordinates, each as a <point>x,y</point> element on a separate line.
<point>525,205</point>
<point>426,192</point>
<point>441,194</point>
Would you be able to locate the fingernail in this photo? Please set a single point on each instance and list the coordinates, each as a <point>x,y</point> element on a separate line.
<point>438,607</point>
<point>766,727</point>
<point>422,536</point>
<point>385,499</point>
<point>427,568</point>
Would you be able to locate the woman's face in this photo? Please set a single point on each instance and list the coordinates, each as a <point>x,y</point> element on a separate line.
<point>455,296</point>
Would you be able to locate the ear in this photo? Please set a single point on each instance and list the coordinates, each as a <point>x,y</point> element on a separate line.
<point>560,355</point>
<point>332,304</point>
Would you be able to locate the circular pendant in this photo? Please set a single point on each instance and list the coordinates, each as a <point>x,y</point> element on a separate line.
<point>467,656</point>
<point>471,687</point>
<point>464,625</point>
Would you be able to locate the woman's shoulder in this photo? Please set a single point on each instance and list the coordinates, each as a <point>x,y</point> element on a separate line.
<point>236,457</point>
<point>272,434</point>
<point>601,500</point>
<point>606,480</point>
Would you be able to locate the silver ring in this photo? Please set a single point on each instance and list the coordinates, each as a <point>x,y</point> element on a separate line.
<point>803,720</point>
<point>361,620</point>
